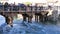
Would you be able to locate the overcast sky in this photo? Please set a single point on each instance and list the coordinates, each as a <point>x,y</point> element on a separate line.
<point>20,1</point>
<point>32,1</point>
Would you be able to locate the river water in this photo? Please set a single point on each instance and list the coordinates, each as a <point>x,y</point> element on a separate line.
<point>20,27</point>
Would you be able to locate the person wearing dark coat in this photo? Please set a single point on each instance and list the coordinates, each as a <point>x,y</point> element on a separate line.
<point>6,6</point>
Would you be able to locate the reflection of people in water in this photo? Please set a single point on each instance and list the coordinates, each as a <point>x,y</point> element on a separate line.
<point>40,16</point>
<point>25,16</point>
<point>30,18</point>
<point>46,18</point>
<point>9,21</point>
<point>43,17</point>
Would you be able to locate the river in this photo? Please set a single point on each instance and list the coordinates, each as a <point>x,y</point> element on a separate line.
<point>20,27</point>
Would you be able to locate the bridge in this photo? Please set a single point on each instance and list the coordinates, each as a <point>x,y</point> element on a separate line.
<point>28,13</point>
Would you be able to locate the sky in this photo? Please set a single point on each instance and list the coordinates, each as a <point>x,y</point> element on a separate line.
<point>32,1</point>
<point>21,1</point>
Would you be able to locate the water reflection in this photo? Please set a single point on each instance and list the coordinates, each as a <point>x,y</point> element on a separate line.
<point>31,28</point>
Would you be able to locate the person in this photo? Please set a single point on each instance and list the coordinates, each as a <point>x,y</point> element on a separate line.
<point>22,6</point>
<point>36,8</point>
<point>6,6</point>
<point>31,7</point>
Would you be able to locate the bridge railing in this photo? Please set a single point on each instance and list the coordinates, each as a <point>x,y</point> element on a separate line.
<point>24,9</point>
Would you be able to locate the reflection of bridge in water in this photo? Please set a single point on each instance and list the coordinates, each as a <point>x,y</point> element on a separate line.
<point>26,14</point>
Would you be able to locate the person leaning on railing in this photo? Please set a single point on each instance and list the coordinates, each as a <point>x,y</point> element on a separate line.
<point>6,6</point>
<point>1,7</point>
<point>36,8</point>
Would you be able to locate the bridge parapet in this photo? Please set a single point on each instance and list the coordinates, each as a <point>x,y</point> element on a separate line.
<point>22,9</point>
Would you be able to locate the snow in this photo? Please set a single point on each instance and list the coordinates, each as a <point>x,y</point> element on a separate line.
<point>20,27</point>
